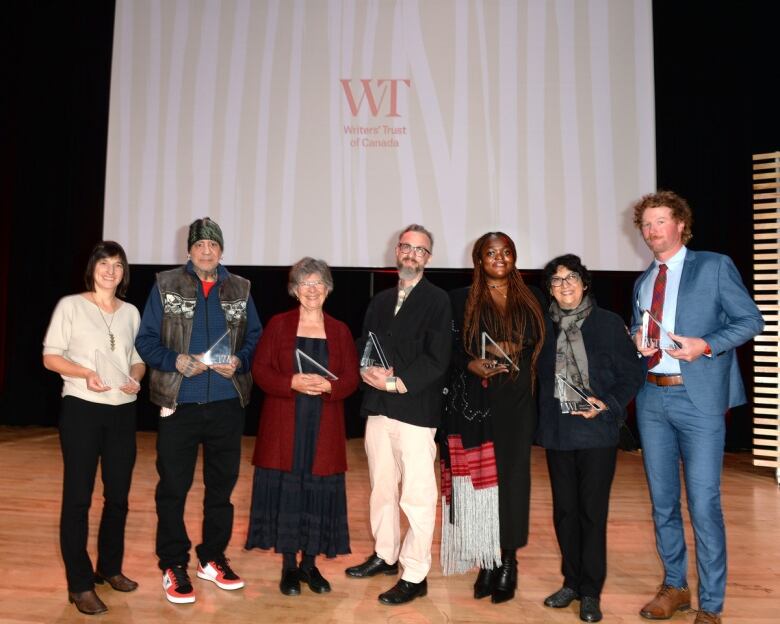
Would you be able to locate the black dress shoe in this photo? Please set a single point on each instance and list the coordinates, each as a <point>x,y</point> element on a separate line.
<point>371,567</point>
<point>87,602</point>
<point>403,592</point>
<point>505,582</point>
<point>483,586</point>
<point>119,582</point>
<point>316,582</point>
<point>290,585</point>
<point>589,609</point>
<point>562,598</point>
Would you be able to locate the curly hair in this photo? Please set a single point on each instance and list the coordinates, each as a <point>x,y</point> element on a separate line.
<point>522,308</point>
<point>572,263</point>
<point>681,211</point>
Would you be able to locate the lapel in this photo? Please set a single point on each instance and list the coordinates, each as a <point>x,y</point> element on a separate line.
<point>409,303</point>
<point>687,279</point>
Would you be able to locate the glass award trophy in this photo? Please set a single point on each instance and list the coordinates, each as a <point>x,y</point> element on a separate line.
<point>220,352</point>
<point>111,375</point>
<point>319,368</point>
<point>572,398</point>
<point>501,352</point>
<point>664,340</point>
<point>373,354</point>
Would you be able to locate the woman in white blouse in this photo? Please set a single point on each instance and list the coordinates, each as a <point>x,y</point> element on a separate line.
<point>93,332</point>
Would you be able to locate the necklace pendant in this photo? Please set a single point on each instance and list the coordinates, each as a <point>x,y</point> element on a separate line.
<point>111,341</point>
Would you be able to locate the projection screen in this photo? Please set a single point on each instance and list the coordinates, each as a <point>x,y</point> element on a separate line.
<point>321,128</point>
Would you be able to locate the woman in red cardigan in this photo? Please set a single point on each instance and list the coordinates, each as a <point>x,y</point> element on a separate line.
<point>306,365</point>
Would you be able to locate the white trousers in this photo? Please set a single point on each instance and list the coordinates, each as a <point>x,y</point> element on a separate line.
<point>399,453</point>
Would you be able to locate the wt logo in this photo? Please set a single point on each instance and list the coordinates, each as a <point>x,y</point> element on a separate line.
<point>369,90</point>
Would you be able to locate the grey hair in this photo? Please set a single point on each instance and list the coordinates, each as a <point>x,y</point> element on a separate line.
<point>415,227</point>
<point>307,266</point>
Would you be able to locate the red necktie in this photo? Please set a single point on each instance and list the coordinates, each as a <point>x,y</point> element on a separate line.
<point>657,310</point>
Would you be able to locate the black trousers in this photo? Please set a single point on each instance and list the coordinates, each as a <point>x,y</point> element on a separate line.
<point>90,432</point>
<point>581,481</point>
<point>218,426</point>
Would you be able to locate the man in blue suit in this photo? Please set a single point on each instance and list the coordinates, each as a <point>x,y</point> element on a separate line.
<point>703,307</point>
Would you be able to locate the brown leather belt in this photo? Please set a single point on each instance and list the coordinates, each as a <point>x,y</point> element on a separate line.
<point>665,380</point>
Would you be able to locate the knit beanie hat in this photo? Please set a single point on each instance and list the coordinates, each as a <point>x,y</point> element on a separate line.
<point>204,229</point>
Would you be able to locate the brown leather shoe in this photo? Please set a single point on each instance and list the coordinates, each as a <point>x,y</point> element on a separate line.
<point>707,617</point>
<point>667,601</point>
<point>119,582</point>
<point>87,602</point>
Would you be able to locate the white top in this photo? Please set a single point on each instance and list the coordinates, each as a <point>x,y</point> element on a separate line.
<point>76,331</point>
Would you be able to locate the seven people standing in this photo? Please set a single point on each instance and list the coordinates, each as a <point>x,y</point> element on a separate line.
<point>198,336</point>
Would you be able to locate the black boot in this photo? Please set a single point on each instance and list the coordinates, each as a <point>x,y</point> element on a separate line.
<point>505,580</point>
<point>483,586</point>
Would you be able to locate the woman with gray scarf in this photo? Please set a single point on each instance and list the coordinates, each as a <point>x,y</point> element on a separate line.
<point>588,372</point>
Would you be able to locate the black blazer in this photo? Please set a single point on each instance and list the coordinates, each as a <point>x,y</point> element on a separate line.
<point>418,345</point>
<point>616,374</point>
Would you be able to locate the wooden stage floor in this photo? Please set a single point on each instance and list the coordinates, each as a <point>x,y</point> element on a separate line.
<point>33,586</point>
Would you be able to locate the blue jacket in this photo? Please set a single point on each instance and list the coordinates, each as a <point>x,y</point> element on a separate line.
<point>208,318</point>
<point>712,304</point>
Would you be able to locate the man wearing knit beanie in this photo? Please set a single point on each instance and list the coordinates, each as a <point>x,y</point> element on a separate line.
<point>202,399</point>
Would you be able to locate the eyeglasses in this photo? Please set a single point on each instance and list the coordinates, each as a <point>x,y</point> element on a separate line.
<point>315,284</point>
<point>571,279</point>
<point>407,248</point>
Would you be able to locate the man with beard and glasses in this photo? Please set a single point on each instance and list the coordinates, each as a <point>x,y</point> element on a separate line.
<point>402,403</point>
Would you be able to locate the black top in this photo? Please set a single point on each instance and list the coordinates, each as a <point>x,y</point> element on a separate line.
<point>616,374</point>
<point>417,344</point>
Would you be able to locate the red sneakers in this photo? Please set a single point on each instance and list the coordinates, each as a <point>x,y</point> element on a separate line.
<point>218,571</point>
<point>177,585</point>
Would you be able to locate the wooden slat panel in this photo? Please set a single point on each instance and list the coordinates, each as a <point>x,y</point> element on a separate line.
<point>766,278</point>
<point>763,463</point>
<point>765,452</point>
<point>764,216</point>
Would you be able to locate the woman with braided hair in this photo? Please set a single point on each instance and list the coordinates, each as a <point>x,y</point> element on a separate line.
<point>498,331</point>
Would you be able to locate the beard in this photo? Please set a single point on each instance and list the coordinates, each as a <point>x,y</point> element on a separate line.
<point>408,272</point>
